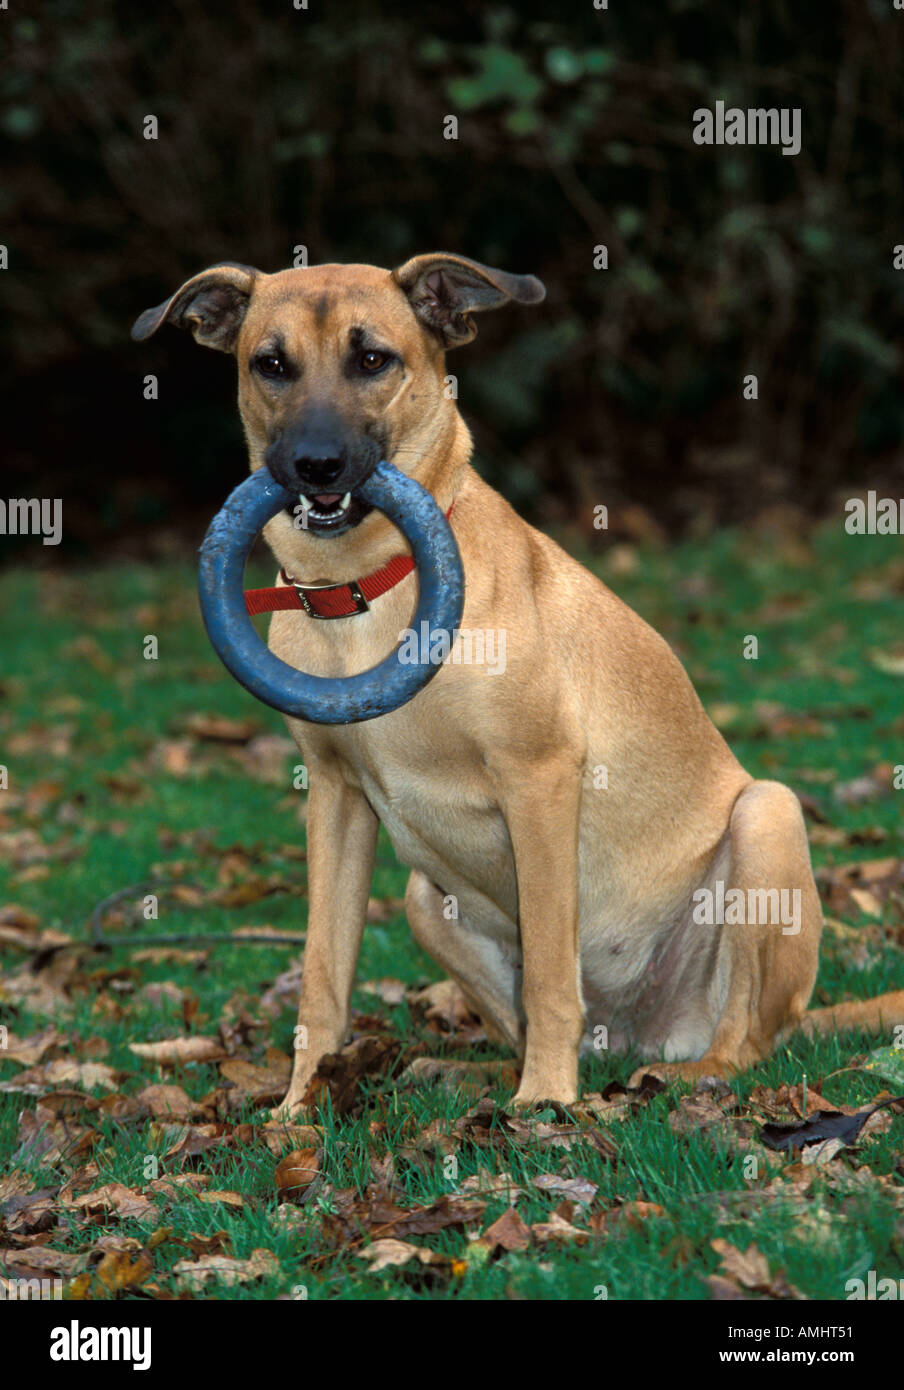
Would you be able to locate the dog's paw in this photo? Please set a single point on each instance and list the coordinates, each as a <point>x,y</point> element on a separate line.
<point>677,1071</point>
<point>290,1111</point>
<point>530,1100</point>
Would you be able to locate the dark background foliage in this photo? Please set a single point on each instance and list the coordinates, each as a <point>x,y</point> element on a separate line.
<point>325,127</point>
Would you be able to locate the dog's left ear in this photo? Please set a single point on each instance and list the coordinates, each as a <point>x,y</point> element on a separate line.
<point>211,304</point>
<point>444,291</point>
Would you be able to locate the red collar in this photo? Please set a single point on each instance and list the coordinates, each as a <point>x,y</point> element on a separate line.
<point>331,600</point>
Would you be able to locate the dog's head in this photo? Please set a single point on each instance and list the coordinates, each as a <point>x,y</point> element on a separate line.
<point>340,365</point>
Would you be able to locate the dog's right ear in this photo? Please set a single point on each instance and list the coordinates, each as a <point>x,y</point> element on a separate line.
<point>445,291</point>
<point>212,304</point>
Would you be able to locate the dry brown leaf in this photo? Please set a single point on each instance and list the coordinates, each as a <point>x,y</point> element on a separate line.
<point>507,1232</point>
<point>28,1051</point>
<point>185,1141</point>
<point>445,1003</point>
<point>817,1155</point>
<point>115,1197</point>
<point>15,1184</point>
<point>122,1244</point>
<point>177,1051</point>
<point>484,1184</point>
<point>222,1268</point>
<point>168,955</point>
<point>63,1071</point>
<point>263,1084</point>
<point>177,1184</point>
<point>391,991</point>
<point>42,1135</point>
<point>573,1189</point>
<point>117,1271</point>
<point>217,728</point>
<point>296,1172</point>
<point>214,1244</point>
<point>748,1269</point>
<point>558,1230</point>
<point>173,1101</point>
<point>41,1262</point>
<point>631,1214</point>
<point>29,1213</point>
<point>279,1136</point>
<point>340,1073</point>
<point>866,901</point>
<point>457,1074</point>
<point>226,1199</point>
<point>389,1253</point>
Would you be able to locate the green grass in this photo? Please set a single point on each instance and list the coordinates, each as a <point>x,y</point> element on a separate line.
<point>81,706</point>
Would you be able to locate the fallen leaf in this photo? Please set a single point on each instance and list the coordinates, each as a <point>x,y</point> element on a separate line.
<point>391,991</point>
<point>574,1189</point>
<point>177,1051</point>
<point>455,1073</point>
<point>391,1254</point>
<point>296,1172</point>
<point>279,1136</point>
<point>42,1135</point>
<point>222,1268</point>
<point>118,1271</point>
<point>340,1073</point>
<point>29,1213</point>
<point>444,1003</point>
<point>748,1269</point>
<point>558,1230</point>
<point>41,1262</point>
<point>28,1051</point>
<point>172,1101</point>
<point>831,1124</point>
<point>632,1214</point>
<point>115,1197</point>
<point>507,1232</point>
<point>217,728</point>
<point>485,1184</point>
<point>262,1084</point>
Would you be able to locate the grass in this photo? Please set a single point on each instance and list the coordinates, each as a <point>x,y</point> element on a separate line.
<point>98,799</point>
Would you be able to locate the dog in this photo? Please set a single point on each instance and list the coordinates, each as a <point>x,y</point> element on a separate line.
<point>588,859</point>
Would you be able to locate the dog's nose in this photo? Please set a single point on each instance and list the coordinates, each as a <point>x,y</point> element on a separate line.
<point>318,472</point>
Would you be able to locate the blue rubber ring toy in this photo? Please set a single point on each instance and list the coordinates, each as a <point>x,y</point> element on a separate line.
<point>318,699</point>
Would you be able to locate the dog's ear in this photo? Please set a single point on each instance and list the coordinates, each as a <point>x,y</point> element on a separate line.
<point>212,304</point>
<point>444,291</point>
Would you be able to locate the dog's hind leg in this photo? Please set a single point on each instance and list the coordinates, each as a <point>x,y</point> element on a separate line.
<point>487,977</point>
<point>769,966</point>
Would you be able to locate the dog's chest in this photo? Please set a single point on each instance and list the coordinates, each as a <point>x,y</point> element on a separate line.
<point>437,807</point>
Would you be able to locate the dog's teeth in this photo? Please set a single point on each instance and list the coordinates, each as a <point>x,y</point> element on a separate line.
<point>346,501</point>
<point>305,501</point>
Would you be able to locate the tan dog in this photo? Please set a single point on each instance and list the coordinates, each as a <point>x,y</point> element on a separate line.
<point>589,861</point>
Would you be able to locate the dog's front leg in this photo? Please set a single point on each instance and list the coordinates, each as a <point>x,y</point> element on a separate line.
<point>342,839</point>
<point>541,812</point>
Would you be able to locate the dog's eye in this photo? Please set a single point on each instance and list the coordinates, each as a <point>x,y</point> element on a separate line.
<point>270,364</point>
<point>372,361</point>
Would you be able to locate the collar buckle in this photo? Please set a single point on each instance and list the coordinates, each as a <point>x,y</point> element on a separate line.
<point>354,591</point>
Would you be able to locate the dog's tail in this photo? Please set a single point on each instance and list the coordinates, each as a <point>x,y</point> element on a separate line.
<point>884,1014</point>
